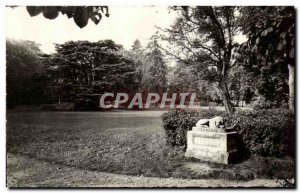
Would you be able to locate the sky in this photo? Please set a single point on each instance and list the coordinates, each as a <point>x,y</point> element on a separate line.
<point>124,25</point>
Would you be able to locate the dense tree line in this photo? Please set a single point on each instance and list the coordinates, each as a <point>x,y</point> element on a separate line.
<point>201,40</point>
<point>84,68</point>
<point>25,75</point>
<point>80,71</point>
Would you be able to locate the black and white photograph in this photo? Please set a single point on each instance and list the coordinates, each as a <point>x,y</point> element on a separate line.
<point>177,96</point>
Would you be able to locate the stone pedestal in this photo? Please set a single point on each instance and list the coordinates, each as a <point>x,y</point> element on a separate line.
<point>212,145</point>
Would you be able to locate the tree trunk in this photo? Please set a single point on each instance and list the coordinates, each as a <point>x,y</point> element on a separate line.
<point>226,98</point>
<point>291,87</point>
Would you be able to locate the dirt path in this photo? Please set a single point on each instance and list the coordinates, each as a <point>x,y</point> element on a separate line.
<point>27,172</point>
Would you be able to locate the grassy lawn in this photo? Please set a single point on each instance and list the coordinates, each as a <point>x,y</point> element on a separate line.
<point>130,143</point>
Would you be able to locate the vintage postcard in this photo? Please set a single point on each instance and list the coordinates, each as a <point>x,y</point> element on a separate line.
<point>150,96</point>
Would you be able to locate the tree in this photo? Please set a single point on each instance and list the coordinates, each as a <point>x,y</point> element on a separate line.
<point>81,68</point>
<point>154,69</point>
<point>271,33</point>
<point>181,78</point>
<point>136,55</point>
<point>80,14</point>
<point>242,84</point>
<point>137,47</point>
<point>24,73</point>
<point>204,37</point>
<point>185,78</point>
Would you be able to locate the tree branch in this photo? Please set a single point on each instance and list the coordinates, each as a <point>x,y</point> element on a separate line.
<point>215,20</point>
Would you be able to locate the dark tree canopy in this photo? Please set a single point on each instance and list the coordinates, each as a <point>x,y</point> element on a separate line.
<point>271,33</point>
<point>80,14</point>
<point>24,73</point>
<point>82,67</point>
<point>270,50</point>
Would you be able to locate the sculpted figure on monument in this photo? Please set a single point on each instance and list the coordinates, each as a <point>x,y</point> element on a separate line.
<point>211,141</point>
<point>213,123</point>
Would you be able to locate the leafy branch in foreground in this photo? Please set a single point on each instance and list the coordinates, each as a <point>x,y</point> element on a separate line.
<point>271,40</point>
<point>80,14</point>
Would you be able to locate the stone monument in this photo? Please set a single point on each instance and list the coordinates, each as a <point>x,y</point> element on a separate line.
<point>210,141</point>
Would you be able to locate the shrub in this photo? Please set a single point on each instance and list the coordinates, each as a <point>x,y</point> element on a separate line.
<point>64,106</point>
<point>284,105</point>
<point>263,103</point>
<point>262,132</point>
<point>85,104</point>
<point>176,123</point>
<point>209,104</point>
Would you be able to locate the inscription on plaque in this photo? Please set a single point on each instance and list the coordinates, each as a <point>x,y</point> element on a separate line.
<point>200,141</point>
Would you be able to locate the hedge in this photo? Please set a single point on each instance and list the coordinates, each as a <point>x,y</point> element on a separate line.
<point>261,132</point>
